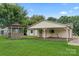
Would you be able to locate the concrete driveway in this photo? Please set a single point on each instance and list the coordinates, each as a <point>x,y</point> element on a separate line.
<point>74,42</point>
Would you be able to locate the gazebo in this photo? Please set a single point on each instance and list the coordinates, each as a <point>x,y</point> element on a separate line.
<point>16,31</point>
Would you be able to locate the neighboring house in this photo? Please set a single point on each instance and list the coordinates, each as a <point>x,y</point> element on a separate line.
<point>14,31</point>
<point>48,29</point>
<point>4,31</point>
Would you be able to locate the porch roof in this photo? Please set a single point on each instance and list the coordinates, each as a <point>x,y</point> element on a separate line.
<point>47,24</point>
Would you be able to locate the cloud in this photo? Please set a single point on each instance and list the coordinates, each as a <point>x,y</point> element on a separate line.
<point>63,12</point>
<point>71,11</point>
<point>76,8</point>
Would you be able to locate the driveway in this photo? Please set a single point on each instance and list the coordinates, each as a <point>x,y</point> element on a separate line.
<point>74,42</point>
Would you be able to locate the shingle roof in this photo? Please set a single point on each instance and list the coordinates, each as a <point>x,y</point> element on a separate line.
<point>47,24</point>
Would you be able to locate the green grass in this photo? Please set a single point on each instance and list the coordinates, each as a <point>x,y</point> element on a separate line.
<point>35,47</point>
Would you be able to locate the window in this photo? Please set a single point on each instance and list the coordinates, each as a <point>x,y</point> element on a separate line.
<point>31,31</point>
<point>52,31</point>
<point>2,32</point>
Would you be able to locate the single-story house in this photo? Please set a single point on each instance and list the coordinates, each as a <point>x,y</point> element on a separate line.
<point>47,29</point>
<point>3,31</point>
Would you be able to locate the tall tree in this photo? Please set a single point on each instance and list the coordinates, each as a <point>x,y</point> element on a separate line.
<point>71,19</point>
<point>36,18</point>
<point>51,19</point>
<point>11,13</point>
<point>64,19</point>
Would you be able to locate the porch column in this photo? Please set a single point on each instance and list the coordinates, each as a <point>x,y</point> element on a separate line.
<point>10,31</point>
<point>44,33</point>
<point>67,34</point>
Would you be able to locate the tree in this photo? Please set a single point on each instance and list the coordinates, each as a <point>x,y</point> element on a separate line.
<point>26,23</point>
<point>36,18</point>
<point>71,19</point>
<point>11,13</point>
<point>51,19</point>
<point>63,19</point>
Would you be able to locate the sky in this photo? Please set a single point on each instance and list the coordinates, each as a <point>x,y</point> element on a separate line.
<point>51,9</point>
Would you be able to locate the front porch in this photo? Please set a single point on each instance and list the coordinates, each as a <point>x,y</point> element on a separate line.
<point>54,33</point>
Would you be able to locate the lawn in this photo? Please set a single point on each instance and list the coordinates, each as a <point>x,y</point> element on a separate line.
<point>36,47</point>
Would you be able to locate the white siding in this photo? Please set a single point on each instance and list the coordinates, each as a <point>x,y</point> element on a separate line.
<point>61,33</point>
<point>57,33</point>
<point>35,33</point>
<point>5,31</point>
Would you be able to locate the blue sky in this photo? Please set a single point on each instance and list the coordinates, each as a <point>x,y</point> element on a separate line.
<point>51,9</point>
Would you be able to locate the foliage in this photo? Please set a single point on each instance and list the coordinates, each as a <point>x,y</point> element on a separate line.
<point>40,31</point>
<point>11,13</point>
<point>51,19</point>
<point>71,19</point>
<point>36,18</point>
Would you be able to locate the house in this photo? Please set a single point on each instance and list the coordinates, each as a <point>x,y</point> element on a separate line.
<point>4,31</point>
<point>47,29</point>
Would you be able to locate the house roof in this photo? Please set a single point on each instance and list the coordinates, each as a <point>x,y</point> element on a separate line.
<point>16,25</point>
<point>47,24</point>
